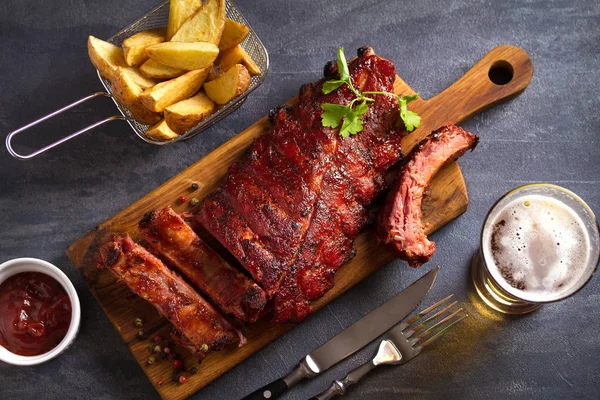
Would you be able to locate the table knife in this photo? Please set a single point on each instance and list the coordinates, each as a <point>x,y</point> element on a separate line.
<point>353,338</point>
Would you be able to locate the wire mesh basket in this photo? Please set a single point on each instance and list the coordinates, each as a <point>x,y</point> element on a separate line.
<point>156,18</point>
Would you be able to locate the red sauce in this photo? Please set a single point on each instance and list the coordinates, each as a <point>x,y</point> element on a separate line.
<point>35,313</point>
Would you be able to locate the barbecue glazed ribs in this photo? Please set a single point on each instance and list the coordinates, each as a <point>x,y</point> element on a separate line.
<point>291,207</point>
<point>230,290</point>
<point>193,317</point>
<point>399,222</point>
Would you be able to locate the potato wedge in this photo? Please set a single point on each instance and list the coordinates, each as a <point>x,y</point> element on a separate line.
<point>105,56</point>
<point>190,56</point>
<point>143,82</point>
<point>186,114</point>
<point>233,34</point>
<point>161,131</point>
<point>228,58</point>
<point>179,12</point>
<point>225,88</point>
<point>128,92</point>
<point>134,47</point>
<point>249,63</point>
<point>155,70</point>
<point>206,25</point>
<point>161,96</point>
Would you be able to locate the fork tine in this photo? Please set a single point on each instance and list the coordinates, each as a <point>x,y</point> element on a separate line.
<point>442,331</point>
<point>424,313</point>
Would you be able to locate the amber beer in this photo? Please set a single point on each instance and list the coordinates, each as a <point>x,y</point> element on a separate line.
<point>539,244</point>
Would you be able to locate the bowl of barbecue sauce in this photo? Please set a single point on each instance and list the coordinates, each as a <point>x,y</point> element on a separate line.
<point>39,311</point>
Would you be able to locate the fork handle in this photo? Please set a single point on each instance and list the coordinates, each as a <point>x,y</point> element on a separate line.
<point>340,387</point>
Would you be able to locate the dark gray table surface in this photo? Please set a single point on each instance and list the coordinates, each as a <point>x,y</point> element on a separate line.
<point>549,133</point>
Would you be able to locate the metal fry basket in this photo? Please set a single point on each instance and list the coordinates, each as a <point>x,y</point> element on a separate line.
<point>156,18</point>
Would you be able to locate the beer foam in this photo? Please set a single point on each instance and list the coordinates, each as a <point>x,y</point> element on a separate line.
<point>539,246</point>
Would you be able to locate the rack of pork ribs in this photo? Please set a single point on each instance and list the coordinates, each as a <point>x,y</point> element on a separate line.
<point>288,210</point>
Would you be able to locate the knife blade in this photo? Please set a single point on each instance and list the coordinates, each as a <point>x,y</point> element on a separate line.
<point>353,338</point>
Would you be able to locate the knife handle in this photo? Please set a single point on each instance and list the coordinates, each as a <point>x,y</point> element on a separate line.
<point>270,391</point>
<point>339,388</point>
<point>276,388</point>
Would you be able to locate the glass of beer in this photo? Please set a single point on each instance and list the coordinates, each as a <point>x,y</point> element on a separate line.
<point>539,244</point>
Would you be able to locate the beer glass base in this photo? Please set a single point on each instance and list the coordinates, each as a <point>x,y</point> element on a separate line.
<point>494,296</point>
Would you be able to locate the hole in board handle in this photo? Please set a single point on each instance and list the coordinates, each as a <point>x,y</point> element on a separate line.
<point>501,73</point>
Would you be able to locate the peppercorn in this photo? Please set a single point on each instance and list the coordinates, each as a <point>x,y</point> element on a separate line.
<point>151,360</point>
<point>178,364</point>
<point>163,355</point>
<point>157,338</point>
<point>182,379</point>
<point>182,199</point>
<point>167,350</point>
<point>160,382</point>
<point>175,378</point>
<point>156,349</point>
<point>195,186</point>
<point>139,323</point>
<point>204,348</point>
<point>194,202</point>
<point>193,370</point>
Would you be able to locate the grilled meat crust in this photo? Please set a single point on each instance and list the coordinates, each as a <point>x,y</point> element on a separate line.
<point>399,224</point>
<point>228,288</point>
<point>172,297</point>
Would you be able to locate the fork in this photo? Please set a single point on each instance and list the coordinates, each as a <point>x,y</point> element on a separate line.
<point>404,342</point>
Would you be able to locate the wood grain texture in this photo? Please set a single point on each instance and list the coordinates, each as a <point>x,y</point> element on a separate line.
<point>446,200</point>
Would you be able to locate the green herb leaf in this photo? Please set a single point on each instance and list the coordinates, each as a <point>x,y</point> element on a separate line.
<point>330,86</point>
<point>343,66</point>
<point>333,114</point>
<point>411,119</point>
<point>353,120</point>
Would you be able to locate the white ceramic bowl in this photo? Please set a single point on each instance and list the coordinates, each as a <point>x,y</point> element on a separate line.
<point>18,265</point>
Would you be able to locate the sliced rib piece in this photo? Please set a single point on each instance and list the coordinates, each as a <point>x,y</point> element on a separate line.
<point>172,297</point>
<point>399,222</point>
<point>229,289</point>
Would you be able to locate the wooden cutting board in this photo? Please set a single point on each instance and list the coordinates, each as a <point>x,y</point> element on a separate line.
<point>447,199</point>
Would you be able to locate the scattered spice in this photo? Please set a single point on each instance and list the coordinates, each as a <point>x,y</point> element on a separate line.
<point>160,382</point>
<point>193,370</point>
<point>194,202</point>
<point>141,334</point>
<point>178,364</point>
<point>195,186</point>
<point>167,350</point>
<point>139,323</point>
<point>150,347</point>
<point>204,348</point>
<point>156,349</point>
<point>163,355</point>
<point>175,378</point>
<point>182,199</point>
<point>157,338</point>
<point>182,379</point>
<point>151,360</point>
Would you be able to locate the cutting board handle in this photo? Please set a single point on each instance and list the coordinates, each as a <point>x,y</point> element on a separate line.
<point>500,75</point>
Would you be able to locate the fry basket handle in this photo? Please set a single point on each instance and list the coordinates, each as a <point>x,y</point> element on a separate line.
<point>64,139</point>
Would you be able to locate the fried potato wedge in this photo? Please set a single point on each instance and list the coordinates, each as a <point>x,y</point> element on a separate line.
<point>190,56</point>
<point>179,12</point>
<point>134,47</point>
<point>186,114</point>
<point>128,92</point>
<point>249,63</point>
<point>143,82</point>
<point>233,34</point>
<point>206,25</point>
<point>161,96</point>
<point>155,70</point>
<point>105,56</point>
<point>161,131</point>
<point>228,86</point>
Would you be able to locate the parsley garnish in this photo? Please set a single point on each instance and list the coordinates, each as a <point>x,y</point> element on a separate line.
<point>351,116</point>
